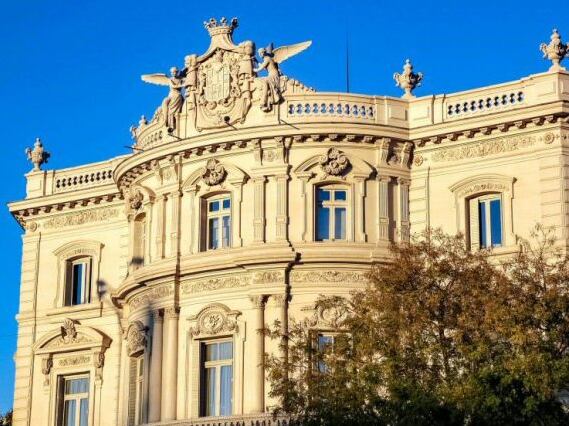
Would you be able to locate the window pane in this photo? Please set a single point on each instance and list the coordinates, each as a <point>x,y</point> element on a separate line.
<point>496,222</point>
<point>69,413</point>
<point>482,223</point>
<point>226,383</point>
<point>226,350</point>
<point>79,271</point>
<point>210,392</point>
<point>226,204</point>
<point>74,386</point>
<point>226,231</point>
<point>324,341</point>
<point>214,233</point>
<point>322,195</point>
<point>84,414</point>
<point>322,223</point>
<point>340,195</point>
<point>214,206</point>
<point>340,223</point>
<point>211,353</point>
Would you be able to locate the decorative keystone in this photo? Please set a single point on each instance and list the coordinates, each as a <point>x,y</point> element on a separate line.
<point>408,80</point>
<point>555,51</point>
<point>38,155</point>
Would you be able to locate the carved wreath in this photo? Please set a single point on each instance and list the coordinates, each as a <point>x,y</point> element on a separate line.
<point>213,172</point>
<point>136,339</point>
<point>334,162</point>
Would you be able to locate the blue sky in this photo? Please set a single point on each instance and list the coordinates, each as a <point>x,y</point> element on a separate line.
<point>70,72</point>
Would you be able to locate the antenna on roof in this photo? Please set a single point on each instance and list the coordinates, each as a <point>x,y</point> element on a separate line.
<point>347,63</point>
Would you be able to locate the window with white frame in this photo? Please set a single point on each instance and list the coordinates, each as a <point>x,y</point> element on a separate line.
<point>331,213</point>
<point>218,222</point>
<point>486,221</point>
<point>78,281</point>
<point>216,370</point>
<point>136,391</point>
<point>73,404</point>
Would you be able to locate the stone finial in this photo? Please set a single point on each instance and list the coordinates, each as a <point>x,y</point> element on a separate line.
<point>408,80</point>
<point>555,51</point>
<point>38,155</point>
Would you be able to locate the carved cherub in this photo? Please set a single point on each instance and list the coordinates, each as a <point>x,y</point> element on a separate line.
<point>271,93</point>
<point>172,104</point>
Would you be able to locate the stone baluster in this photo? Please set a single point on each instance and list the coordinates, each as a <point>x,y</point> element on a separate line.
<point>155,375</point>
<point>169,364</point>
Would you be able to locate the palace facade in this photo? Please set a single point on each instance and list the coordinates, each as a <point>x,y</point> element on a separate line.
<point>146,278</point>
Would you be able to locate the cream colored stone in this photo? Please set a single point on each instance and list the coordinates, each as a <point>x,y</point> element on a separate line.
<point>267,142</point>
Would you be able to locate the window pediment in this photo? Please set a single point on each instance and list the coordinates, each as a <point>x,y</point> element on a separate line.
<point>334,163</point>
<point>483,183</point>
<point>72,337</point>
<point>213,320</point>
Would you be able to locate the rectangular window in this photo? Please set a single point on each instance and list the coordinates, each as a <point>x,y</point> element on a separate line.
<point>218,223</point>
<point>331,214</point>
<point>74,401</point>
<point>324,342</point>
<point>217,378</point>
<point>78,282</point>
<point>490,221</point>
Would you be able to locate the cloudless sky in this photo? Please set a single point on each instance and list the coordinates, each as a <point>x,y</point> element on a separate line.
<point>70,73</point>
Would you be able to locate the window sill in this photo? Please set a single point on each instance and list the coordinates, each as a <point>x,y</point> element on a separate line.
<point>84,311</point>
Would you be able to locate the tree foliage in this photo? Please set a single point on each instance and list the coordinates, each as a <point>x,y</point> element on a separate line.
<point>441,335</point>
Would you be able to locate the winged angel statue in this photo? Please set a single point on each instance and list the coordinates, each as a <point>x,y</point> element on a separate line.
<point>172,104</point>
<point>271,90</point>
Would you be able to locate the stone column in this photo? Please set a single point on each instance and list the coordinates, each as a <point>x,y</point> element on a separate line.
<point>403,185</point>
<point>259,209</point>
<point>383,208</point>
<point>282,208</point>
<point>175,233</point>
<point>155,375</point>
<point>160,205</point>
<point>169,364</point>
<point>257,388</point>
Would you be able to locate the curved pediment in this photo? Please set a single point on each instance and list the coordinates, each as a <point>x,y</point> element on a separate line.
<point>489,182</point>
<point>334,162</point>
<point>216,173</point>
<point>71,337</point>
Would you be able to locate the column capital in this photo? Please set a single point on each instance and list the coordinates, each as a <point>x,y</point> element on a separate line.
<point>258,301</point>
<point>404,181</point>
<point>171,312</point>
<point>157,315</point>
<point>384,178</point>
<point>278,300</point>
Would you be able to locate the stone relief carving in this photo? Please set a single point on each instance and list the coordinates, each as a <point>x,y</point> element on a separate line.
<point>214,320</point>
<point>268,277</point>
<point>271,86</point>
<point>81,218</point>
<point>68,331</point>
<point>46,365</point>
<point>408,80</point>
<point>213,173</point>
<point>135,198</point>
<point>216,89</point>
<point>200,286</point>
<point>482,187</point>
<point>38,155</point>
<point>334,162</point>
<point>74,360</point>
<point>342,277</point>
<point>484,148</point>
<point>151,295</point>
<point>136,338</point>
<point>555,51</point>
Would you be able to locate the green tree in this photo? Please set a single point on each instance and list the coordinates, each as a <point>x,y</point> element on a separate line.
<point>6,419</point>
<point>441,335</point>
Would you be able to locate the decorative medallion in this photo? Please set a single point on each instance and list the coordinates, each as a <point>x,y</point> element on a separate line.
<point>334,162</point>
<point>215,319</point>
<point>213,173</point>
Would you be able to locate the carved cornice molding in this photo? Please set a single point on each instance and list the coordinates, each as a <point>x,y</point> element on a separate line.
<point>332,277</point>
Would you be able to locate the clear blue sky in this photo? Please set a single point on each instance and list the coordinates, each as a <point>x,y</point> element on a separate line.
<point>70,72</point>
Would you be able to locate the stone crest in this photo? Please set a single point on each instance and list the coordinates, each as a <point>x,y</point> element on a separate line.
<point>136,339</point>
<point>334,162</point>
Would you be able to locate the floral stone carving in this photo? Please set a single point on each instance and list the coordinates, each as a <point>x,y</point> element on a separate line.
<point>213,173</point>
<point>334,162</point>
<point>135,199</point>
<point>214,320</point>
<point>136,339</point>
<point>68,331</point>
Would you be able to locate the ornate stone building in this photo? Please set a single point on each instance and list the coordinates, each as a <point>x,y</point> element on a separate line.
<point>146,278</point>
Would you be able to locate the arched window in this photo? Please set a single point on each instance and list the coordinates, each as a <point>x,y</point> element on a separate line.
<point>139,241</point>
<point>331,213</point>
<point>78,281</point>
<point>216,222</point>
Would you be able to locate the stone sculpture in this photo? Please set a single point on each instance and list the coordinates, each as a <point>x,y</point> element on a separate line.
<point>555,51</point>
<point>172,104</point>
<point>408,80</point>
<point>38,155</point>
